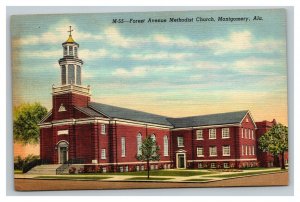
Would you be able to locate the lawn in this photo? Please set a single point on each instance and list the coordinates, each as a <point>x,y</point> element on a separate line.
<point>145,178</point>
<point>198,180</point>
<point>73,177</point>
<point>18,172</point>
<point>181,173</point>
<point>245,173</point>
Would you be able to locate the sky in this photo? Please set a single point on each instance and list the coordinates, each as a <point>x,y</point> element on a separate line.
<point>173,69</point>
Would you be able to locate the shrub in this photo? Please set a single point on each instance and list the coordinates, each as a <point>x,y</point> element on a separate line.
<point>72,170</point>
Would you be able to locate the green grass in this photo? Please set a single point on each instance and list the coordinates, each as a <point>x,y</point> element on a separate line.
<point>145,178</point>
<point>198,180</point>
<point>18,172</point>
<point>245,174</point>
<point>73,177</point>
<point>259,168</point>
<point>182,173</point>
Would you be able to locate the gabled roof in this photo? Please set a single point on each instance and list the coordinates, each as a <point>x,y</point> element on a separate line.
<point>89,111</point>
<point>129,114</point>
<point>210,119</point>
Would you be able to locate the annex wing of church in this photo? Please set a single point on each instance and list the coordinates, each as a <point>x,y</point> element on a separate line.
<point>78,130</point>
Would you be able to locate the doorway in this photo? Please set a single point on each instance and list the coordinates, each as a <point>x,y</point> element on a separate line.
<point>63,152</point>
<point>181,162</point>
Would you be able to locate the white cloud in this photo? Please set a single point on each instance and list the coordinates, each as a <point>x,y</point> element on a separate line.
<point>253,65</point>
<point>135,72</point>
<point>42,54</point>
<point>96,54</point>
<point>161,56</point>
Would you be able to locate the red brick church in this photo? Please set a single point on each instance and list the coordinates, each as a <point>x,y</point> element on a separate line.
<point>81,131</point>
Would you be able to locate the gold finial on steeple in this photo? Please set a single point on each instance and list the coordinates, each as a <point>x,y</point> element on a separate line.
<point>70,39</point>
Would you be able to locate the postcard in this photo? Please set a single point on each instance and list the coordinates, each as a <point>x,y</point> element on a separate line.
<point>150,100</point>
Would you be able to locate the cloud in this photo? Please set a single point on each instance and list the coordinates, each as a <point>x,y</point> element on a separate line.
<point>97,54</point>
<point>135,72</point>
<point>42,54</point>
<point>161,56</point>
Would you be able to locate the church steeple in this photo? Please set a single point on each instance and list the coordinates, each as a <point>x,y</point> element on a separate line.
<point>70,63</point>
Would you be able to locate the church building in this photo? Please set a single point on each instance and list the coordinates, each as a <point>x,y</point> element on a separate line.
<point>80,131</point>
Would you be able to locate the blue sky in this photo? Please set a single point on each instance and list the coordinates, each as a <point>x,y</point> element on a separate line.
<point>175,69</point>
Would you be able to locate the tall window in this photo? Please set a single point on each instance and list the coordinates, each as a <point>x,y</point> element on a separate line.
<point>253,150</point>
<point>123,146</point>
<point>154,139</point>
<point>103,129</point>
<point>245,133</point>
<point>139,144</point>
<point>242,132</point>
<point>212,133</point>
<point>180,141</point>
<point>252,133</point>
<point>63,75</point>
<point>200,152</point>
<point>225,133</point>
<point>199,134</point>
<point>166,146</point>
<point>243,150</point>
<point>249,133</point>
<point>246,150</point>
<point>75,51</point>
<point>71,50</point>
<point>226,150</point>
<point>213,151</point>
<point>65,50</point>
<point>71,74</point>
<point>78,75</point>
<point>103,153</point>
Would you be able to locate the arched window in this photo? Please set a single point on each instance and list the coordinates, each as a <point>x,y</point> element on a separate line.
<point>154,139</point>
<point>139,143</point>
<point>166,146</point>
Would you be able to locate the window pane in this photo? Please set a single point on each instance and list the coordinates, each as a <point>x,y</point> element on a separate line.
<point>71,50</point>
<point>71,74</point>
<point>78,75</point>
<point>63,75</point>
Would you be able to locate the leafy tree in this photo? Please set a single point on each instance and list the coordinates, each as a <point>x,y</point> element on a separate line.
<point>25,119</point>
<point>149,152</point>
<point>275,141</point>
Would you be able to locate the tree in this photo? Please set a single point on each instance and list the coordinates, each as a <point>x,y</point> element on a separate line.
<point>275,141</point>
<point>25,122</point>
<point>149,152</point>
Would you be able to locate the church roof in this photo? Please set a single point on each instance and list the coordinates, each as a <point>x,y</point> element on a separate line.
<point>129,114</point>
<point>184,122</point>
<point>210,119</point>
<point>70,39</point>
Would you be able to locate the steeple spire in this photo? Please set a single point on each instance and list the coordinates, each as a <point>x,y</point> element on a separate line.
<point>70,31</point>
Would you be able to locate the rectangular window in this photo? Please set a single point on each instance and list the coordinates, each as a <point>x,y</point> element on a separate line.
<point>142,167</point>
<point>245,133</point>
<point>253,150</point>
<point>137,168</point>
<point>63,75</point>
<point>78,75</point>
<point>243,150</point>
<point>103,153</point>
<point>75,51</point>
<point>123,145</point>
<point>246,148</point>
<point>242,132</point>
<point>226,150</point>
<point>213,151</point>
<point>226,165</point>
<point>249,133</point>
<point>212,165</point>
<point>126,168</point>
<point>199,134</point>
<point>121,169</point>
<point>71,50</point>
<point>180,141</point>
<point>103,129</point>
<point>200,165</point>
<point>252,134</point>
<point>71,74</point>
<point>212,133</point>
<point>65,50</point>
<point>225,133</point>
<point>200,151</point>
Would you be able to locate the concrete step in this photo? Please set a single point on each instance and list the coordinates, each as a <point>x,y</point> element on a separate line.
<point>44,169</point>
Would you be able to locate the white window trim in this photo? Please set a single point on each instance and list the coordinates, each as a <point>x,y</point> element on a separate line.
<point>179,145</point>
<point>242,132</point>
<point>166,146</point>
<point>211,152</point>
<point>139,144</point>
<point>103,153</point>
<point>103,129</point>
<point>213,163</point>
<point>123,147</point>
<point>225,137</point>
<point>199,134</point>
<point>226,164</point>
<point>223,147</point>
<point>215,134</point>
<point>200,155</point>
